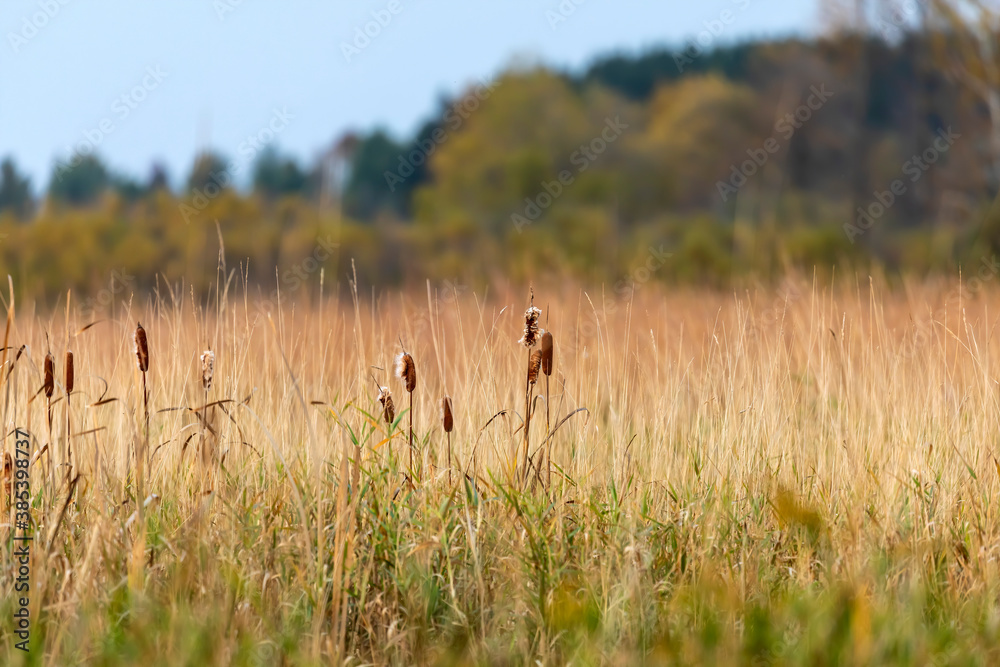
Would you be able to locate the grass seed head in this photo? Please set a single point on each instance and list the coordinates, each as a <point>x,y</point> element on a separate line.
<point>70,375</point>
<point>547,353</point>
<point>447,418</point>
<point>406,371</point>
<point>207,369</point>
<point>50,375</point>
<point>141,348</point>
<point>534,364</point>
<point>388,409</point>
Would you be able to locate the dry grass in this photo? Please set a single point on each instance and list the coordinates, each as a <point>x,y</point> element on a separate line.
<point>794,476</point>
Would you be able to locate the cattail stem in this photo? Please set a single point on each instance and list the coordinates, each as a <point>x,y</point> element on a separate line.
<point>527,416</point>
<point>406,371</point>
<point>546,367</point>
<point>141,458</point>
<point>548,438</point>
<point>69,451</point>
<point>204,441</point>
<point>447,423</point>
<point>69,383</point>
<point>411,436</point>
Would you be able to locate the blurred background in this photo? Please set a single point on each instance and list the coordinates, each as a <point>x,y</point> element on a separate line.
<point>715,142</point>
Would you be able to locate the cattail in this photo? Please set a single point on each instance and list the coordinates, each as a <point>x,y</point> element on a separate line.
<point>207,369</point>
<point>534,364</point>
<point>142,361</point>
<point>448,422</point>
<point>50,368</point>
<point>70,376</point>
<point>529,340</point>
<point>447,419</point>
<point>530,337</point>
<point>547,353</point>
<point>8,475</point>
<point>141,348</point>
<point>388,408</point>
<point>406,371</point>
<point>69,372</point>
<point>547,370</point>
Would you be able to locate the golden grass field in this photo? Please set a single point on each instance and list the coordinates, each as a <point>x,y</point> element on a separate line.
<point>801,474</point>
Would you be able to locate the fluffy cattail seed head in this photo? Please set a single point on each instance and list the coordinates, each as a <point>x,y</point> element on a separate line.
<point>547,353</point>
<point>69,371</point>
<point>534,364</point>
<point>447,418</point>
<point>530,337</point>
<point>406,371</point>
<point>207,369</point>
<point>50,375</point>
<point>141,348</point>
<point>388,409</point>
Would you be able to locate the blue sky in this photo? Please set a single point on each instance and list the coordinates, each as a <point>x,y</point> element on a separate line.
<point>158,80</point>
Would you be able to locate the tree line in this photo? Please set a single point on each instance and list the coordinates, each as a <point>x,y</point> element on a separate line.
<point>742,158</point>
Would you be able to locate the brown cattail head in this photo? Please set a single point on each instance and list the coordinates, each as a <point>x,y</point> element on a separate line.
<point>8,475</point>
<point>547,353</point>
<point>207,369</point>
<point>69,372</point>
<point>530,337</point>
<point>406,371</point>
<point>388,409</point>
<point>50,375</point>
<point>534,364</point>
<point>141,348</point>
<point>447,418</point>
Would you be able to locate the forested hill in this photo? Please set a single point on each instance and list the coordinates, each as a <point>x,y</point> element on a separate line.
<point>742,157</point>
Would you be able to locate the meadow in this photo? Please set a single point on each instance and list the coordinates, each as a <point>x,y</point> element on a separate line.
<point>796,474</point>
